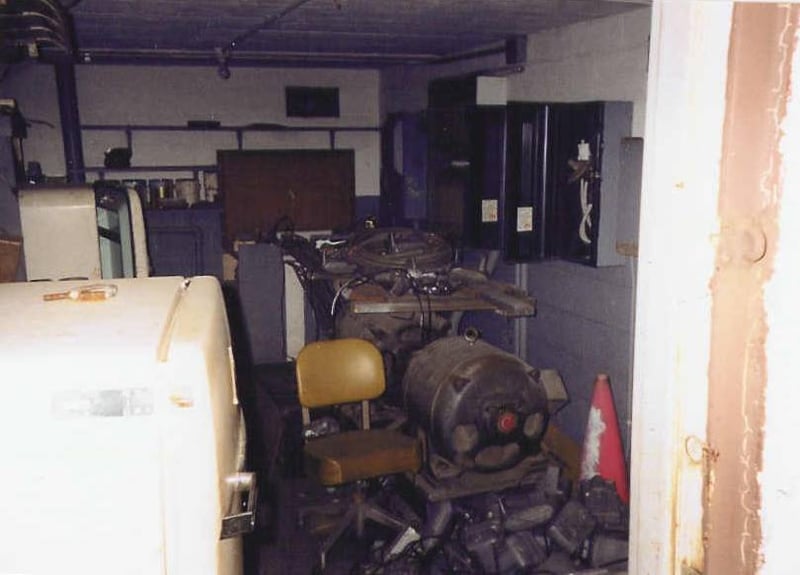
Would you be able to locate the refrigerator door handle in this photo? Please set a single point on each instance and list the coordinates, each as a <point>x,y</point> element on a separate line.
<point>241,518</point>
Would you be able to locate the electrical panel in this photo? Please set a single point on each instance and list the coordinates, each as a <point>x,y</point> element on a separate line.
<point>540,174</point>
<point>585,143</point>
<point>507,200</point>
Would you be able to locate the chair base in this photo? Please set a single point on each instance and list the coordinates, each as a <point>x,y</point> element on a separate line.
<point>359,510</point>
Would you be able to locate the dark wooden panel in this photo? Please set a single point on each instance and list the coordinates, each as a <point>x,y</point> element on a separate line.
<point>314,189</point>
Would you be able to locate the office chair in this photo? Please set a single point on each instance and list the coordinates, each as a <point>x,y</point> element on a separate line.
<point>345,371</point>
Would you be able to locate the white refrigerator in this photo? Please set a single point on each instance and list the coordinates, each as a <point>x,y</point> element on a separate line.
<point>121,439</point>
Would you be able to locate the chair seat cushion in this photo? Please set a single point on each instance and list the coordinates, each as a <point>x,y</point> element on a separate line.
<point>363,454</point>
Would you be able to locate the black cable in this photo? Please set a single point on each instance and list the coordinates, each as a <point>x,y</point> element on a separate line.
<point>430,318</point>
<point>30,122</point>
<point>495,557</point>
<point>306,261</point>
<point>416,291</point>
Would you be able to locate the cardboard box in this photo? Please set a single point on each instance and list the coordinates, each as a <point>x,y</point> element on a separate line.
<point>10,248</point>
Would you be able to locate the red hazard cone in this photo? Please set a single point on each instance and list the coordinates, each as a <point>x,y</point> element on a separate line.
<point>602,443</point>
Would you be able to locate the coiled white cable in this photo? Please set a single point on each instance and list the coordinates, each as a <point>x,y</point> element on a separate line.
<point>586,211</point>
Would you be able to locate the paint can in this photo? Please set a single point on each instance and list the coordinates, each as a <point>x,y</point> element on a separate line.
<point>187,190</point>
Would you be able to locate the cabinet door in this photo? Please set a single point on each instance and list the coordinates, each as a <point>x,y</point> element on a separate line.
<point>576,136</point>
<point>524,198</point>
<point>586,186</point>
<point>451,102</point>
<point>185,242</point>
<point>505,208</point>
<point>483,209</point>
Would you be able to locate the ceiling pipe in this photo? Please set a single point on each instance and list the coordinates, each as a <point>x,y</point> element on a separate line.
<point>471,55</point>
<point>514,48</point>
<point>45,22</point>
<point>32,37</point>
<point>224,53</point>
<point>263,59</point>
<point>54,24</point>
<point>35,22</point>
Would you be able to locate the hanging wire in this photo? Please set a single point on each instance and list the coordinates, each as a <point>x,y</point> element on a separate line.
<point>223,53</point>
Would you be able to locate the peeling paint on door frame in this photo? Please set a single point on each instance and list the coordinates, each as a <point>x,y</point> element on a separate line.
<point>762,44</point>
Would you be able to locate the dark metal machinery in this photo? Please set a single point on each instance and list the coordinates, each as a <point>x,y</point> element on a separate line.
<point>495,500</point>
<point>480,408</point>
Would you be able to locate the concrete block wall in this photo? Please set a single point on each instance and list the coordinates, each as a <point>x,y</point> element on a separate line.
<point>603,59</point>
<point>405,88</point>
<point>170,95</point>
<point>584,326</point>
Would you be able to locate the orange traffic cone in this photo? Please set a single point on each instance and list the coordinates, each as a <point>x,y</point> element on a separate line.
<point>602,443</point>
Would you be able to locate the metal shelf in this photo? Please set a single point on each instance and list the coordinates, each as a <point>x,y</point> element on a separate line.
<point>128,129</point>
<point>245,128</point>
<point>186,168</point>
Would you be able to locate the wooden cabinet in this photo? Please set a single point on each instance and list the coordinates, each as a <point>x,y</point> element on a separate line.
<point>311,189</point>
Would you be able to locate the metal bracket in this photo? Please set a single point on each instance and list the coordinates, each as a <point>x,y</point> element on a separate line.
<point>240,521</point>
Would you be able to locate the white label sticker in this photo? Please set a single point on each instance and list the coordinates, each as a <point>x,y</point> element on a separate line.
<point>71,403</point>
<point>525,219</point>
<point>488,210</point>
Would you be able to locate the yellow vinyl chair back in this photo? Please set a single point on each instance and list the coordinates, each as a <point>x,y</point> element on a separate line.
<point>339,371</point>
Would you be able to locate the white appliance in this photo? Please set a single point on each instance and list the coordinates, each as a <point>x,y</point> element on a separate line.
<point>121,440</point>
<point>75,231</point>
